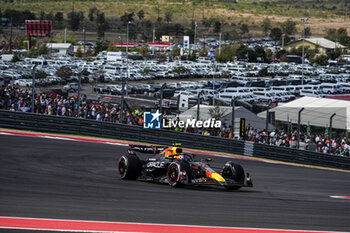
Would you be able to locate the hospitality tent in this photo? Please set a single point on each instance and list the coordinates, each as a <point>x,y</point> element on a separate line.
<point>317,112</point>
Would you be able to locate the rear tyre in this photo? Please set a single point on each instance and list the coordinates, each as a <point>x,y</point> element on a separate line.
<point>235,172</point>
<point>173,174</point>
<point>129,167</point>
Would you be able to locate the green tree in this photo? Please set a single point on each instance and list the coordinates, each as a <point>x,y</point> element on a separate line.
<point>79,52</point>
<point>175,52</point>
<point>64,72</point>
<point>331,34</point>
<point>49,16</point>
<point>192,56</point>
<point>58,18</point>
<point>281,53</point>
<point>39,49</point>
<point>99,47</point>
<point>207,23</point>
<point>334,54</point>
<point>244,28</point>
<point>92,12</point>
<point>266,25</point>
<point>269,53</point>
<point>308,32</point>
<point>75,19</point>
<point>228,53</point>
<point>168,16</point>
<point>343,37</point>
<point>144,51</point>
<point>167,29</point>
<point>289,27</point>
<point>242,52</point>
<point>276,34</point>
<point>217,27</point>
<point>260,52</point>
<point>161,58</point>
<point>102,24</point>
<point>231,35</point>
<point>263,72</point>
<point>127,17</point>
<point>59,37</point>
<point>15,58</point>
<point>321,60</point>
<point>18,17</point>
<point>203,52</point>
<point>180,70</point>
<point>40,74</point>
<point>141,15</point>
<point>42,15</point>
<point>112,48</point>
<point>216,112</point>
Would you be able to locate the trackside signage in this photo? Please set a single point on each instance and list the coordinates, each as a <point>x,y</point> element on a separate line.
<point>153,120</point>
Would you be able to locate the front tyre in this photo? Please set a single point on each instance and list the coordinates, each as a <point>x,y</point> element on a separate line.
<point>235,172</point>
<point>129,167</point>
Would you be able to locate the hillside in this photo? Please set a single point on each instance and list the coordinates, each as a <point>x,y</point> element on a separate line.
<point>323,14</point>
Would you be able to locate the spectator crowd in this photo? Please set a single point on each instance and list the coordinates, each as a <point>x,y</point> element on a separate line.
<point>18,99</point>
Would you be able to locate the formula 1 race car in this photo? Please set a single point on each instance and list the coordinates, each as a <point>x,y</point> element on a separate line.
<point>171,165</point>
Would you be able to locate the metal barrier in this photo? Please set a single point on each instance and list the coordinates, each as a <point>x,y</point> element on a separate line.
<point>57,124</point>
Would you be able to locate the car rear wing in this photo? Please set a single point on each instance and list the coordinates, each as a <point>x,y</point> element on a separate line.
<point>146,149</point>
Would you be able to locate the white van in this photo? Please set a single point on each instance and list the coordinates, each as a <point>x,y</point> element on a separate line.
<point>265,96</point>
<point>226,97</point>
<point>236,90</point>
<point>330,88</point>
<point>311,87</point>
<point>36,61</point>
<point>281,88</point>
<point>312,93</point>
<point>111,69</point>
<point>346,87</point>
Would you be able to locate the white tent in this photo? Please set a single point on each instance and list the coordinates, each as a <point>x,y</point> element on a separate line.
<point>317,112</point>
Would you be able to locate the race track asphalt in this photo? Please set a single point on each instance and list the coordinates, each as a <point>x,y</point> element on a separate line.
<point>47,178</point>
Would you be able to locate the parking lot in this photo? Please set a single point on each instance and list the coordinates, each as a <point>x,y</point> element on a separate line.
<point>213,82</point>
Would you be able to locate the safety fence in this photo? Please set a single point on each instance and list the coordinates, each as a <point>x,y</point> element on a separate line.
<point>68,125</point>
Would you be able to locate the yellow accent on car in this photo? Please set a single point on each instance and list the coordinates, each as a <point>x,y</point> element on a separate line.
<point>216,176</point>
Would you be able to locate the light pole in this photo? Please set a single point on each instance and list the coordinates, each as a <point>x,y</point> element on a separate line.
<point>84,38</point>
<point>267,124</point>
<point>127,56</point>
<point>304,20</point>
<point>65,35</point>
<point>299,113</point>
<point>195,33</point>
<point>33,86</point>
<point>199,103</point>
<point>122,102</point>
<point>161,98</point>
<point>233,104</point>
<point>214,70</point>
<point>219,43</point>
<point>330,126</point>
<point>79,88</point>
<point>154,35</point>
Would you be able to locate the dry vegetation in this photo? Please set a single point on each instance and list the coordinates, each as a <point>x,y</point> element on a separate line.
<point>245,11</point>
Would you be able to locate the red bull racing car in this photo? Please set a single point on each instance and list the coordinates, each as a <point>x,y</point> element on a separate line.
<point>173,166</point>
